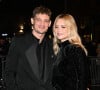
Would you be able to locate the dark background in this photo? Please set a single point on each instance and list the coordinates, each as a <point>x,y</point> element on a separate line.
<point>86,12</point>
<point>14,13</point>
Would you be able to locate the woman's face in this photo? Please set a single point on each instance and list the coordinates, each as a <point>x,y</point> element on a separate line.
<point>62,30</point>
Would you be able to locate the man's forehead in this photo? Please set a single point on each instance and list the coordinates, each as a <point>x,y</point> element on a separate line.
<point>41,14</point>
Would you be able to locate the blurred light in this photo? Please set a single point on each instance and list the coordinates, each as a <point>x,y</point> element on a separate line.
<point>21,27</point>
<point>91,36</point>
<point>4,34</point>
<point>21,31</point>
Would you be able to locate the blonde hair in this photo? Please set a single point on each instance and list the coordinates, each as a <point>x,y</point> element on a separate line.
<point>74,37</point>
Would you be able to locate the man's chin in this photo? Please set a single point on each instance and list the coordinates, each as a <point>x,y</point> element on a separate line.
<point>40,32</point>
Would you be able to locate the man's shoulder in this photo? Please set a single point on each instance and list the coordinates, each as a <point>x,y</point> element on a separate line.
<point>22,36</point>
<point>18,39</point>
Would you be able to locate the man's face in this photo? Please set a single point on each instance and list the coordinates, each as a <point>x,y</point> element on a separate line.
<point>41,23</point>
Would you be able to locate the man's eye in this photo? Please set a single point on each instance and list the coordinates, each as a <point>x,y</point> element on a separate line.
<point>37,19</point>
<point>56,27</point>
<point>46,20</point>
<point>63,27</point>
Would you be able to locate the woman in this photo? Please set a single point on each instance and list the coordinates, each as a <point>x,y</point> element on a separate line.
<point>70,72</point>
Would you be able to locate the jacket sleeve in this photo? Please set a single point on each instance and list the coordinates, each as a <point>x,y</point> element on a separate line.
<point>11,66</point>
<point>80,60</point>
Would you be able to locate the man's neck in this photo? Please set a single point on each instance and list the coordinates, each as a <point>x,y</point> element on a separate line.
<point>38,36</point>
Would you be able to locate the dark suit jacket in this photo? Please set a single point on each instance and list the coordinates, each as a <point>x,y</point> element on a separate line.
<point>21,69</point>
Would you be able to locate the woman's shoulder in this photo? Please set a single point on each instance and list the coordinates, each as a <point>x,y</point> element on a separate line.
<point>73,49</point>
<point>70,46</point>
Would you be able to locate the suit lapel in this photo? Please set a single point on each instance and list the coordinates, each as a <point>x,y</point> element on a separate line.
<point>32,59</point>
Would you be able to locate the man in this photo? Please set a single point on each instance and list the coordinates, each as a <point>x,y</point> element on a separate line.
<point>29,61</point>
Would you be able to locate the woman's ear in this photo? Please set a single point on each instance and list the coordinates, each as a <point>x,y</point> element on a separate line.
<point>32,21</point>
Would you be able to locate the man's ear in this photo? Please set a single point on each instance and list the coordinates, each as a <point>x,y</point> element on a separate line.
<point>50,23</point>
<point>32,21</point>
